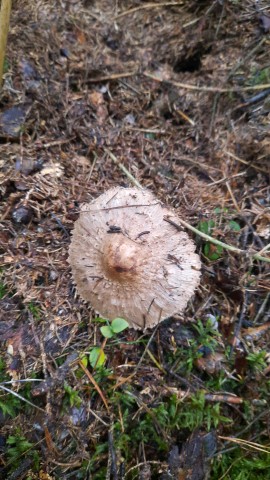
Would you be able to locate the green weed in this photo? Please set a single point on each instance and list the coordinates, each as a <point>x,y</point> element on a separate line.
<point>3,290</point>
<point>257,360</point>
<point>18,447</point>
<point>72,397</point>
<point>241,465</point>
<point>259,77</point>
<point>34,310</point>
<point>97,357</point>
<point>9,404</point>
<point>220,221</point>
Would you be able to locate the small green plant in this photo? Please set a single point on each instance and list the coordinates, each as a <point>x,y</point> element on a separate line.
<point>259,76</point>
<point>234,226</point>
<point>211,251</point>
<point>117,326</point>
<point>183,359</point>
<point>34,310</point>
<point>257,360</point>
<point>97,357</point>
<point>18,447</point>
<point>9,404</point>
<point>72,397</point>
<point>241,465</point>
<point>3,290</point>
<point>220,221</point>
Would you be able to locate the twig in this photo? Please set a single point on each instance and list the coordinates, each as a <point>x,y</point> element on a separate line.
<point>123,168</point>
<point>226,179</point>
<point>240,322</point>
<point>60,225</point>
<point>246,443</point>
<point>244,430</point>
<point>93,381</point>
<point>232,197</point>
<point>223,398</point>
<point>113,76</point>
<point>182,380</point>
<point>147,5</point>
<point>264,249</point>
<point>22,398</point>
<point>255,256</point>
<point>261,309</point>
<point>245,162</point>
<point>185,117</point>
<point>153,358</point>
<point>244,59</point>
<point>4,27</point>
<point>112,456</point>
<point>150,462</point>
<point>199,88</point>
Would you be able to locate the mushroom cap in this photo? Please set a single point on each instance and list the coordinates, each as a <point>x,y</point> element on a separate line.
<point>128,262</point>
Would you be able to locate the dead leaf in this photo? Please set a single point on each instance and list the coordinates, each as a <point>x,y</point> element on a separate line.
<point>55,170</point>
<point>263,226</point>
<point>96,99</point>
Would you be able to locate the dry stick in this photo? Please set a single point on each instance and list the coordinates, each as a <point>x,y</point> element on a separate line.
<point>225,179</point>
<point>256,256</point>
<point>246,57</point>
<point>261,309</point>
<point>264,249</point>
<point>21,398</point>
<point>113,76</point>
<point>123,168</point>
<point>4,27</point>
<point>223,398</point>
<point>232,197</point>
<point>147,5</point>
<point>245,443</point>
<point>93,381</point>
<point>239,323</point>
<point>198,88</point>
<point>241,160</point>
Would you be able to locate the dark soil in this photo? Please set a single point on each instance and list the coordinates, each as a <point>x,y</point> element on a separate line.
<point>180,95</point>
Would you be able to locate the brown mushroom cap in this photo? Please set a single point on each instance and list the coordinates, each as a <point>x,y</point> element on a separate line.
<point>128,262</point>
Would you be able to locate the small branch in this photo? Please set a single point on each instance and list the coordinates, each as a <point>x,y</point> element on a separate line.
<point>223,398</point>
<point>93,381</point>
<point>113,76</point>
<point>255,256</point>
<point>4,27</point>
<point>21,398</point>
<point>202,88</point>
<point>264,249</point>
<point>245,162</point>
<point>147,5</point>
<point>123,168</point>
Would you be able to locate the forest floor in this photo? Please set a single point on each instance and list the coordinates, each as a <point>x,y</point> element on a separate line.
<point>179,94</point>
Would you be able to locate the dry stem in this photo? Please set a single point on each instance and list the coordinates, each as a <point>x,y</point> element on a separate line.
<point>147,5</point>
<point>256,256</point>
<point>4,27</point>
<point>123,168</point>
<point>202,88</point>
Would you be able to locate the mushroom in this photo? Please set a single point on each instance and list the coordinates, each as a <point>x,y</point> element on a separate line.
<point>128,262</point>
